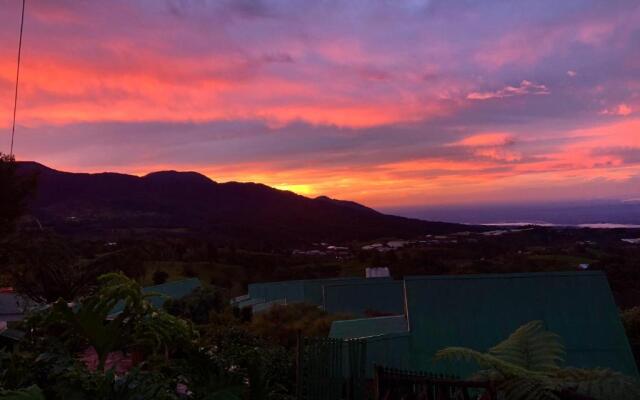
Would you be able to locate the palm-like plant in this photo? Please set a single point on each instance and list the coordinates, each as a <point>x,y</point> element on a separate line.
<point>527,366</point>
<point>138,324</point>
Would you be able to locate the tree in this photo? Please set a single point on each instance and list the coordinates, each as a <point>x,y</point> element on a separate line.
<point>281,323</point>
<point>160,277</point>
<point>527,366</point>
<point>45,268</point>
<point>198,306</point>
<point>117,318</point>
<point>15,191</point>
<point>631,321</point>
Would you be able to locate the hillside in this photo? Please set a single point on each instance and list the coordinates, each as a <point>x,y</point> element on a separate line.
<point>190,202</point>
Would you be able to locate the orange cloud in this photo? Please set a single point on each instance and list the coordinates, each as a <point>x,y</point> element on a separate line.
<point>486,139</point>
<point>621,109</point>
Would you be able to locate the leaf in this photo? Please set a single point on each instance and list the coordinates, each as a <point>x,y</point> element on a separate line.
<point>525,367</point>
<point>528,389</point>
<point>602,384</point>
<point>484,360</point>
<point>30,393</point>
<point>531,347</point>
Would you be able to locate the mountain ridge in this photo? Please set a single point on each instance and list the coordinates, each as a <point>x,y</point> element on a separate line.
<point>163,200</point>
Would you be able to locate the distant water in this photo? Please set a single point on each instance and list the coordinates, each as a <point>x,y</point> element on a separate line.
<point>601,225</point>
<point>591,214</point>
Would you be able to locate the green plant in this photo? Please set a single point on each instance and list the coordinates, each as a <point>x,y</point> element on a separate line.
<point>198,305</point>
<point>281,323</point>
<point>160,277</point>
<point>30,393</point>
<point>266,368</point>
<point>16,191</point>
<point>631,321</point>
<point>527,366</point>
<point>117,317</point>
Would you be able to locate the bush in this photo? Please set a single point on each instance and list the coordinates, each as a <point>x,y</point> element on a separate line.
<point>198,305</point>
<point>160,277</point>
<point>281,323</point>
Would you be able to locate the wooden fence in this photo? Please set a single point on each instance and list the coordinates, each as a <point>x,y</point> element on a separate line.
<point>393,384</point>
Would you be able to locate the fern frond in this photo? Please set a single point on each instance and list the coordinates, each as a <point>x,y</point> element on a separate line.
<point>484,360</point>
<point>531,347</point>
<point>601,384</point>
<point>528,389</point>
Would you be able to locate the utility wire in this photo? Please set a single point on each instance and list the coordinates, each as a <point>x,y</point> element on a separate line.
<point>15,98</point>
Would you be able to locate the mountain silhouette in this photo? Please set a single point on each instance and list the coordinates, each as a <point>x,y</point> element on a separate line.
<point>189,202</point>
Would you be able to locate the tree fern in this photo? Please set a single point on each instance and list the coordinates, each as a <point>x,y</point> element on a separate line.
<point>526,366</point>
<point>531,347</point>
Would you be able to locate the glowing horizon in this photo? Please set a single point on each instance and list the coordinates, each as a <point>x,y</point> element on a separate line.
<point>388,104</point>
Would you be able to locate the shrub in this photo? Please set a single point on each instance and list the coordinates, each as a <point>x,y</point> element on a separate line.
<point>160,277</point>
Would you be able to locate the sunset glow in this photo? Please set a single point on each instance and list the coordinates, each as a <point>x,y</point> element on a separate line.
<point>386,103</point>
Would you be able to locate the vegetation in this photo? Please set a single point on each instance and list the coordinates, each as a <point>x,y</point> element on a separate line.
<point>201,307</point>
<point>140,352</point>
<point>45,268</point>
<point>16,191</point>
<point>631,321</point>
<point>527,365</point>
<point>281,323</point>
<point>100,338</point>
<point>160,277</point>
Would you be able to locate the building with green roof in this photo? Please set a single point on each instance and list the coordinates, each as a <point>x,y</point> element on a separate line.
<point>308,290</point>
<point>367,327</point>
<point>161,293</point>
<point>367,297</point>
<point>478,311</point>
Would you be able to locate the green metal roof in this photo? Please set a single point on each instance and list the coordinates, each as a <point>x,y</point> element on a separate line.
<point>359,298</point>
<point>165,291</point>
<point>478,311</point>
<point>290,290</point>
<point>172,290</point>
<point>262,307</point>
<point>250,302</point>
<point>12,334</point>
<point>365,327</point>
<point>309,291</point>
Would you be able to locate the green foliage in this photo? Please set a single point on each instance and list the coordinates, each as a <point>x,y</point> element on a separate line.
<point>631,321</point>
<point>79,384</point>
<point>160,277</point>
<point>198,306</point>
<point>527,366</point>
<point>225,363</point>
<point>267,368</point>
<point>280,324</point>
<point>16,190</point>
<point>45,268</point>
<point>137,326</point>
<point>30,393</point>
<point>208,376</point>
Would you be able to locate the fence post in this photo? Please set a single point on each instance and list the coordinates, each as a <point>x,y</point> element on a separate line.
<point>376,382</point>
<point>299,364</point>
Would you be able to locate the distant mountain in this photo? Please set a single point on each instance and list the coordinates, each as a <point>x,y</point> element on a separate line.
<point>188,202</point>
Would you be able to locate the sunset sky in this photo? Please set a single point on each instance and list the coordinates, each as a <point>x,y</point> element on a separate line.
<point>389,103</point>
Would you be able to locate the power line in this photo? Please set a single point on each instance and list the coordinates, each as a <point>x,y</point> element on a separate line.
<point>15,98</point>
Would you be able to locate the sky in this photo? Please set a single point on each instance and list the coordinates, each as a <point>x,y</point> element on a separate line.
<point>389,103</point>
